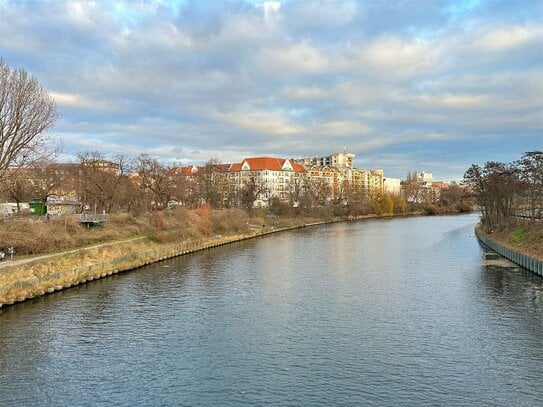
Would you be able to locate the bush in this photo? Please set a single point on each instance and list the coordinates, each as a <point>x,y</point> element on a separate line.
<point>280,208</point>
<point>229,220</point>
<point>464,207</point>
<point>339,211</point>
<point>430,209</point>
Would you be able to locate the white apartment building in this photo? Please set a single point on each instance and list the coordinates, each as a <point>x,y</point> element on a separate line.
<point>275,177</point>
<point>392,185</point>
<point>422,178</point>
<point>339,160</point>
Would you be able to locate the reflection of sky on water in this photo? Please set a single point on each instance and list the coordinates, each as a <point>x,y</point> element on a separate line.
<point>381,312</point>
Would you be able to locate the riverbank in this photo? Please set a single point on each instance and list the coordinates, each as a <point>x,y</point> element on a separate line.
<point>526,238</point>
<point>43,275</point>
<point>526,252</point>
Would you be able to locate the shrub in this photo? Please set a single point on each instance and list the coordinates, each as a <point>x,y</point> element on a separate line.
<point>464,207</point>
<point>430,209</point>
<point>229,220</point>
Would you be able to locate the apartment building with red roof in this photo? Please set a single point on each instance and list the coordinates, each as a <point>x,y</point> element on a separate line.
<point>271,176</point>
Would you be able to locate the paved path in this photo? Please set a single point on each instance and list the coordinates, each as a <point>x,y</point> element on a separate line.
<point>8,263</point>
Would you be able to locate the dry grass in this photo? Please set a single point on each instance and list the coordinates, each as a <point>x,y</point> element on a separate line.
<point>229,220</point>
<point>525,237</point>
<point>30,237</point>
<point>32,279</point>
<point>168,233</point>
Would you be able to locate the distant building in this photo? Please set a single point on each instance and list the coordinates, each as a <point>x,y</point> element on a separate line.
<point>102,165</point>
<point>12,208</point>
<point>392,185</point>
<point>339,160</point>
<point>421,178</point>
<point>441,185</point>
<point>338,171</point>
<point>273,177</point>
<point>62,205</point>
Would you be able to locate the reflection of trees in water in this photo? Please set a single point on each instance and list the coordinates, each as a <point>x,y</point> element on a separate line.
<point>513,289</point>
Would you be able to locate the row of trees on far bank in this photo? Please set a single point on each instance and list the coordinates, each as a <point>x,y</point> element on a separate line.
<point>506,192</point>
<point>140,184</point>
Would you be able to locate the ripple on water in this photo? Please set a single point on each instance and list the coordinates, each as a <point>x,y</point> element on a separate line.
<point>397,312</point>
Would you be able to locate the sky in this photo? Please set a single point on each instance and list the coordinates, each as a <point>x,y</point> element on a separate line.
<point>423,85</point>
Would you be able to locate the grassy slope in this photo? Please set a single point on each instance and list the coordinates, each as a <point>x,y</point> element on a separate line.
<point>524,237</point>
<point>36,237</point>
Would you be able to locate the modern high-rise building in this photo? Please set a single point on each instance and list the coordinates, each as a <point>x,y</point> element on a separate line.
<point>421,178</point>
<point>339,160</point>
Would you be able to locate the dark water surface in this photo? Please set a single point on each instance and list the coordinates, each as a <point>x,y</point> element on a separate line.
<point>384,312</point>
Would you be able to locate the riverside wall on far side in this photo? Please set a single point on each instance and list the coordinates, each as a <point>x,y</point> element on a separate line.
<point>529,263</point>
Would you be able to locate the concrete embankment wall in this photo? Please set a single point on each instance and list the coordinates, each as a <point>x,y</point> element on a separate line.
<point>521,259</point>
<point>24,283</point>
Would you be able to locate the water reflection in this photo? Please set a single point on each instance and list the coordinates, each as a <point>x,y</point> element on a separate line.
<point>387,312</point>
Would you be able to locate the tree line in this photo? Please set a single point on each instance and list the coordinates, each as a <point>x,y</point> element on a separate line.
<point>141,184</point>
<point>507,192</point>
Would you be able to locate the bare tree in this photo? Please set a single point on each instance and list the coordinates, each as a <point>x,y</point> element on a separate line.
<point>496,188</point>
<point>212,183</point>
<point>45,180</point>
<point>299,195</point>
<point>100,179</point>
<point>17,187</point>
<point>455,197</point>
<point>26,112</point>
<point>320,190</point>
<point>155,178</point>
<point>253,187</point>
<point>530,168</point>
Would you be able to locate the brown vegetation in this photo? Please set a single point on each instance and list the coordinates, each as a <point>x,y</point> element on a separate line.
<point>30,236</point>
<point>507,191</point>
<point>20,282</point>
<point>510,196</point>
<point>525,237</point>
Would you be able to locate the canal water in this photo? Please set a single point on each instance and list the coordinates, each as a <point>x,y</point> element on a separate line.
<point>397,312</point>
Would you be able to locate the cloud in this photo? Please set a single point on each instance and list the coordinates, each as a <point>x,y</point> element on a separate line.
<point>301,58</point>
<point>269,123</point>
<point>397,56</point>
<point>507,38</point>
<point>428,83</point>
<point>74,101</point>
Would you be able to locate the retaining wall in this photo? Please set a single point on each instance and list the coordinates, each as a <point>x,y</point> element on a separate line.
<point>521,259</point>
<point>26,284</point>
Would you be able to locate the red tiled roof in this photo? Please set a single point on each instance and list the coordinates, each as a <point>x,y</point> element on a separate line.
<point>267,163</point>
<point>297,167</point>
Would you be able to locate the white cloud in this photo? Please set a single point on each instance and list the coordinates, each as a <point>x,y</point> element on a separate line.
<point>397,56</point>
<point>73,101</point>
<point>341,128</point>
<point>295,59</point>
<point>304,92</point>
<point>281,78</point>
<point>271,9</point>
<point>262,122</point>
<point>509,37</point>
